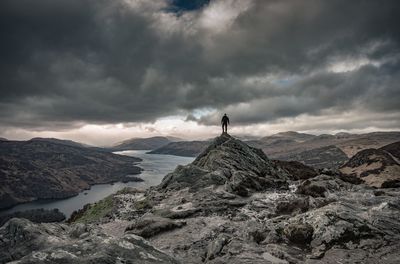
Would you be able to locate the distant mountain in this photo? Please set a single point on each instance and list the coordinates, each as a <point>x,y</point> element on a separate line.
<point>394,150</point>
<point>276,146</point>
<point>289,135</point>
<point>193,148</point>
<point>47,169</point>
<point>324,150</point>
<point>343,134</point>
<point>3,139</point>
<point>323,157</point>
<point>182,148</point>
<point>352,145</point>
<point>376,167</point>
<point>144,143</point>
<point>61,141</point>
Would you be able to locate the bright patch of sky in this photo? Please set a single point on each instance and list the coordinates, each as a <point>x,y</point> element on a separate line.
<point>198,113</point>
<point>350,64</point>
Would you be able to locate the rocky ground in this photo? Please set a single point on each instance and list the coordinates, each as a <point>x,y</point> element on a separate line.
<point>231,205</point>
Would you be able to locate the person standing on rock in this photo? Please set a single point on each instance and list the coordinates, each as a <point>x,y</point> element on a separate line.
<point>225,122</point>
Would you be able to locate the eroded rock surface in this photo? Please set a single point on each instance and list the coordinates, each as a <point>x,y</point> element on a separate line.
<point>230,162</point>
<point>276,218</point>
<point>27,242</point>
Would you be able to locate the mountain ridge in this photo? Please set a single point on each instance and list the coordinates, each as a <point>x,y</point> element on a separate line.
<point>376,167</point>
<point>143,143</point>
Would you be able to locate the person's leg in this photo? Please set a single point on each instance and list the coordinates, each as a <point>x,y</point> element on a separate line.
<point>223,128</point>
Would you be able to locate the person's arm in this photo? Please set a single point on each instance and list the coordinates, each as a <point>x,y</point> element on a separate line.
<point>227,119</point>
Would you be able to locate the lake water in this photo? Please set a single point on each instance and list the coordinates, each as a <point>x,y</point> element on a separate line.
<point>154,166</point>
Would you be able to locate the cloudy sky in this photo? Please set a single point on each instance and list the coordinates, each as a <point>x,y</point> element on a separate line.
<point>100,71</point>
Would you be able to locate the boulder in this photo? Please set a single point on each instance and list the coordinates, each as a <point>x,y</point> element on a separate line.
<point>151,226</point>
<point>296,170</point>
<point>299,233</point>
<point>215,247</point>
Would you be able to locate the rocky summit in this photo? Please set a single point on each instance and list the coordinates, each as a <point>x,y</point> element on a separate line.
<point>227,161</point>
<point>231,205</point>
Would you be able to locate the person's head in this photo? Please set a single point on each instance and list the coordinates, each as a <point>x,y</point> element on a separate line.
<point>225,114</point>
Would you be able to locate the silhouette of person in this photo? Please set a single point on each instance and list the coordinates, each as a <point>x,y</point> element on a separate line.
<point>225,122</point>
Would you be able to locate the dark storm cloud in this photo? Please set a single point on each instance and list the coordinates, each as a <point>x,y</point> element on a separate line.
<point>68,62</point>
<point>369,88</point>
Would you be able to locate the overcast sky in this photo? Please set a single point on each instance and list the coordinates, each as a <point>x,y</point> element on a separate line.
<point>101,71</point>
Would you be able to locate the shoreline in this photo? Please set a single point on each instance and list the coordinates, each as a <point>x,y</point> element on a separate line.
<point>45,200</point>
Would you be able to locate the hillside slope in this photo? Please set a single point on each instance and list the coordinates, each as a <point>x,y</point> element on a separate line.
<point>182,148</point>
<point>376,167</point>
<point>143,143</point>
<point>42,169</point>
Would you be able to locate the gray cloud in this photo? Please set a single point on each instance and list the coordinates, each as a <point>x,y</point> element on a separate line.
<point>64,63</point>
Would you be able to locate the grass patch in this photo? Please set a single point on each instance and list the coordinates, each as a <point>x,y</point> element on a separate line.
<point>97,211</point>
<point>94,212</point>
<point>128,190</point>
<point>143,204</point>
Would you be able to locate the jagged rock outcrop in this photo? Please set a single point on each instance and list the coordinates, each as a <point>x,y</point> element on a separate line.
<point>27,242</point>
<point>296,170</point>
<point>376,167</point>
<point>148,227</point>
<point>230,162</point>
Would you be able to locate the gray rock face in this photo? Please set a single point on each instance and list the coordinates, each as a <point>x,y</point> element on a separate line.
<point>27,242</point>
<point>230,162</point>
<point>148,227</point>
<point>320,185</point>
<point>296,170</point>
<point>299,233</point>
